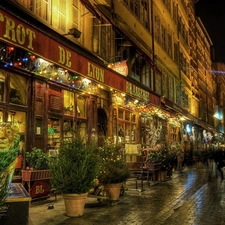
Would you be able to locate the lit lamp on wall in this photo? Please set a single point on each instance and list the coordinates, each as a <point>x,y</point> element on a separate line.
<point>218,113</point>
<point>188,128</point>
<point>11,116</point>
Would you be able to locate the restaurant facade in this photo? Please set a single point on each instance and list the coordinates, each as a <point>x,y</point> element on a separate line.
<point>49,86</point>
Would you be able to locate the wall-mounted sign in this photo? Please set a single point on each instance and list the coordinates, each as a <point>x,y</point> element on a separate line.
<point>120,67</point>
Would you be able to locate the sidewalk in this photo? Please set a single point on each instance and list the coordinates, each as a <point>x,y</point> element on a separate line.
<point>193,197</point>
<point>51,212</point>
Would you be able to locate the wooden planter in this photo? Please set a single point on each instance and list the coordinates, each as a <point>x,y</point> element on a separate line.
<point>155,166</point>
<point>154,170</point>
<point>28,175</point>
<point>36,182</point>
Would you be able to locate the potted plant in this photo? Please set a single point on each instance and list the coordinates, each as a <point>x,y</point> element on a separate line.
<point>168,153</point>
<point>73,171</point>
<point>113,170</point>
<point>154,160</point>
<point>36,173</point>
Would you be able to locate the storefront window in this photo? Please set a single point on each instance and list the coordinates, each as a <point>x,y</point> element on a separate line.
<point>68,130</point>
<point>38,126</point>
<point>18,118</point>
<point>81,106</point>
<point>68,103</point>
<point>126,127</point>
<point>133,117</point>
<point>120,113</point>
<point>74,129</point>
<point>1,116</point>
<point>53,133</point>
<point>18,90</point>
<point>83,131</point>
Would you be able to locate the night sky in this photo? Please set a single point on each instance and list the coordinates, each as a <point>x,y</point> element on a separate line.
<point>212,14</point>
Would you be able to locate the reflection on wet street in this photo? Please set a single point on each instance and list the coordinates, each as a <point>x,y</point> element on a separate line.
<point>196,196</point>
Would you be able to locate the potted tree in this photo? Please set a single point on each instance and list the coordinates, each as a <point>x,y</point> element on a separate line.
<point>36,173</point>
<point>73,171</point>
<point>113,170</point>
<point>154,160</point>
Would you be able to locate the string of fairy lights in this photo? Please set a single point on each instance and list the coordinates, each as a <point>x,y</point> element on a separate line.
<point>16,57</point>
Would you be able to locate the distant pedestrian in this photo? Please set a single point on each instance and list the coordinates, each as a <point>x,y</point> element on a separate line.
<point>180,158</point>
<point>219,158</point>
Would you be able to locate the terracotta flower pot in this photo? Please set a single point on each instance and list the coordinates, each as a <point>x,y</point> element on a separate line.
<point>74,204</point>
<point>163,174</point>
<point>114,190</point>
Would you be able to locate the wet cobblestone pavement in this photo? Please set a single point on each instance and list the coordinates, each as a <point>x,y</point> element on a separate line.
<point>194,197</point>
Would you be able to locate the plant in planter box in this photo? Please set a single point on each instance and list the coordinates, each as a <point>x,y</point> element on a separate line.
<point>73,171</point>
<point>154,157</point>
<point>37,159</point>
<point>37,170</point>
<point>113,169</point>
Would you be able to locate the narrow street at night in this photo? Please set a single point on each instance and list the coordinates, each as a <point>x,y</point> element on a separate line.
<point>196,196</point>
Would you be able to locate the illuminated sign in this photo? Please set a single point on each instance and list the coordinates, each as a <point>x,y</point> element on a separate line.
<point>136,91</point>
<point>17,33</point>
<point>120,67</point>
<point>95,72</point>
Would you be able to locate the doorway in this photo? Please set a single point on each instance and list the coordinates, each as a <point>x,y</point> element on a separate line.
<point>102,126</point>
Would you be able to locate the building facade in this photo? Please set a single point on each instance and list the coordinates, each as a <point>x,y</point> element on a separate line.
<point>122,69</point>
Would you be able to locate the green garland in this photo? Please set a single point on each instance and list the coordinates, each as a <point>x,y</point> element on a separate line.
<point>6,158</point>
<point>3,193</point>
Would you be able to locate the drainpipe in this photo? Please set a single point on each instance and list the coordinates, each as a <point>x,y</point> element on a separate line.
<point>153,42</point>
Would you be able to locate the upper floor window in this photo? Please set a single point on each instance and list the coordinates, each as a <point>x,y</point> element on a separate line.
<point>176,53</point>
<point>41,8</point>
<point>171,88</point>
<point>168,4</point>
<point>174,12</point>
<point>163,37</point>
<point>102,33</point>
<point>140,9</point>
<point>157,29</point>
<point>158,82</point>
<point>134,6</point>
<point>144,13</point>
<point>165,86</point>
<point>62,15</point>
<point>76,13</point>
<point>126,1</point>
<point>177,91</point>
<point>169,45</point>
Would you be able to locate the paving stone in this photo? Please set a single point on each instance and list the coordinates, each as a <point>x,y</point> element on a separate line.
<point>188,198</point>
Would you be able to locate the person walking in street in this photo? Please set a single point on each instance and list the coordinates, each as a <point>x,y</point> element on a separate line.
<point>180,158</point>
<point>219,160</point>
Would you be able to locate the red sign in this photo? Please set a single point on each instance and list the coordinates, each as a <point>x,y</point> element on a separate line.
<point>39,189</point>
<point>20,34</point>
<point>120,67</point>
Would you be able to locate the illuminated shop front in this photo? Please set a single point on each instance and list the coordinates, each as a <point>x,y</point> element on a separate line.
<point>48,88</point>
